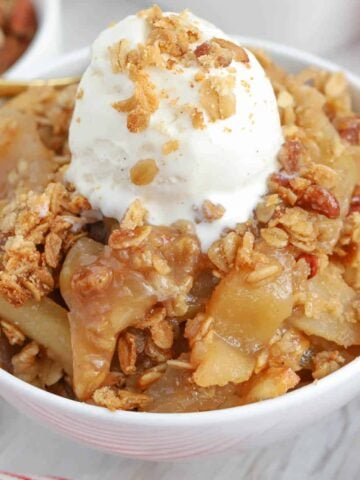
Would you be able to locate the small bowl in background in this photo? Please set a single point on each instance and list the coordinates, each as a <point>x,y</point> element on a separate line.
<point>46,43</point>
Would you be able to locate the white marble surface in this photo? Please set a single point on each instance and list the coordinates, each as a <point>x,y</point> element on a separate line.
<point>326,451</point>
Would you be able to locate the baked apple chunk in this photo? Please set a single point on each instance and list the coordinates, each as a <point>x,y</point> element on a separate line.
<point>243,314</point>
<point>108,289</point>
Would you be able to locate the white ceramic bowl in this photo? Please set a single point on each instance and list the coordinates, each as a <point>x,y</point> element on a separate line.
<point>178,436</point>
<point>46,43</point>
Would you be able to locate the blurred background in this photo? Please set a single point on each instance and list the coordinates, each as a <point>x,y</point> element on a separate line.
<point>315,25</point>
<point>33,31</point>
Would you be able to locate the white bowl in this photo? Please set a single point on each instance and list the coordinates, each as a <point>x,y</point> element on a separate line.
<point>152,436</point>
<point>46,43</point>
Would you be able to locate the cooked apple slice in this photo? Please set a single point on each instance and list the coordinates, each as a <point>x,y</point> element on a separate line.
<point>108,290</point>
<point>46,323</point>
<point>329,311</point>
<point>251,312</point>
<point>246,309</point>
<point>220,362</point>
<point>270,383</point>
<point>102,301</point>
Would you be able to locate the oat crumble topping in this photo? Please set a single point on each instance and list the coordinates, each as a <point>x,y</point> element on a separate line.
<point>170,45</point>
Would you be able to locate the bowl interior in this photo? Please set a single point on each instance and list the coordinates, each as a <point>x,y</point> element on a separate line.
<point>293,60</point>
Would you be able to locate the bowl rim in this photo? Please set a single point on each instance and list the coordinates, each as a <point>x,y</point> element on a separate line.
<point>303,396</point>
<point>300,397</point>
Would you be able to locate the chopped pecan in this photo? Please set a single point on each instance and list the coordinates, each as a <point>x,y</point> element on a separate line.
<point>211,54</point>
<point>282,183</point>
<point>281,178</point>
<point>312,261</point>
<point>240,54</point>
<point>320,200</point>
<point>202,49</point>
<point>349,129</point>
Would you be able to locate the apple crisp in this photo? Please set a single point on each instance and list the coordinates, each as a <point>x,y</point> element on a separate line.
<point>133,316</point>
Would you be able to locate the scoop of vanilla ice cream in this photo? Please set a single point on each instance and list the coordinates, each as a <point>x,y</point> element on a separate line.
<point>193,149</point>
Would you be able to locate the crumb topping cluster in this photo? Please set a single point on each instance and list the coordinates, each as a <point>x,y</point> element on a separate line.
<point>170,46</point>
<point>36,232</point>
